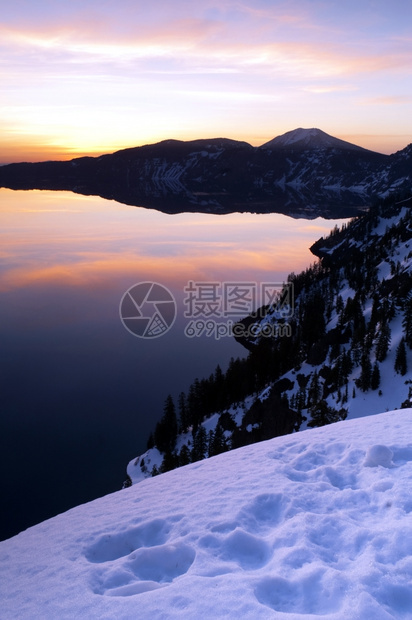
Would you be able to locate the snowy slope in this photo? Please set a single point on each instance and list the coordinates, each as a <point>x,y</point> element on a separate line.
<point>388,245</point>
<point>378,244</point>
<point>317,523</point>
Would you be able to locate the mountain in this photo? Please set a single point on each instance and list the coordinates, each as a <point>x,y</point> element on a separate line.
<point>304,173</point>
<point>309,139</point>
<point>335,343</point>
<point>315,524</point>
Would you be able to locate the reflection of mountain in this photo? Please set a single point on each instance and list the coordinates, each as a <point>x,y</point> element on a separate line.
<point>305,173</point>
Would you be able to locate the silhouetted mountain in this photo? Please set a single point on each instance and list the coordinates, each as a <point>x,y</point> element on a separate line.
<point>309,138</point>
<point>305,173</point>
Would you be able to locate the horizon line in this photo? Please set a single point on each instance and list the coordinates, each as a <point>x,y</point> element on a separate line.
<point>61,153</point>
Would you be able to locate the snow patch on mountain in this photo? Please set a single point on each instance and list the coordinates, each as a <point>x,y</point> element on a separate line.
<point>309,138</point>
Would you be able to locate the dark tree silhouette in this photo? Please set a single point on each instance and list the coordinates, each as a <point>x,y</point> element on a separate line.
<point>407,321</point>
<point>376,377</point>
<point>383,342</point>
<point>166,429</point>
<point>323,414</point>
<point>401,365</point>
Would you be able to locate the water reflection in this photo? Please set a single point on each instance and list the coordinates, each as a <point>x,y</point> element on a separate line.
<point>79,394</point>
<point>61,237</point>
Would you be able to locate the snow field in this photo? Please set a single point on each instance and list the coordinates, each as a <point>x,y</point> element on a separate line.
<point>314,524</point>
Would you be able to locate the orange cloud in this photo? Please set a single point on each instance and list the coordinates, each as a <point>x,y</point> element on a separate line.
<point>38,148</point>
<point>213,42</point>
<point>103,39</point>
<point>100,77</point>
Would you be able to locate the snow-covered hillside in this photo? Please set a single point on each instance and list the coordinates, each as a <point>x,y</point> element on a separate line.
<point>317,523</point>
<point>351,325</point>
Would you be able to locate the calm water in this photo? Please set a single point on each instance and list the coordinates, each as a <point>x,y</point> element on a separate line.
<point>79,394</point>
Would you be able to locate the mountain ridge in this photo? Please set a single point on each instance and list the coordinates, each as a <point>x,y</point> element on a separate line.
<point>310,138</point>
<point>323,177</point>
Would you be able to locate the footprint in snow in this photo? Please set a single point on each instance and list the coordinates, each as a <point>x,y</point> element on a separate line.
<point>110,547</point>
<point>138,559</point>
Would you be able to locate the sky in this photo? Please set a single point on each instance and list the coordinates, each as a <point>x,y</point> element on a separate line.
<point>91,77</point>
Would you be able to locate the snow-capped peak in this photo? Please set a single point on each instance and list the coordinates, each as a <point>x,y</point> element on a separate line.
<point>308,138</point>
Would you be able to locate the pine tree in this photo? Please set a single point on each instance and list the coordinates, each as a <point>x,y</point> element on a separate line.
<point>183,413</point>
<point>346,366</point>
<point>364,381</point>
<point>301,395</point>
<point>407,321</point>
<point>313,321</point>
<point>383,342</point>
<point>359,324</point>
<point>218,443</point>
<point>339,304</point>
<point>184,456</point>
<point>387,311</point>
<point>194,405</point>
<point>166,429</point>
<point>345,395</point>
<point>199,449</point>
<point>376,377</point>
<point>314,391</point>
<point>210,443</point>
<point>169,462</point>
<point>220,393</point>
<point>401,366</point>
<point>322,414</point>
<point>375,314</point>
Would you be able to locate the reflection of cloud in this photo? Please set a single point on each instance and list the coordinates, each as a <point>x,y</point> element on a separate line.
<point>95,271</point>
<point>171,262</point>
<point>61,240</point>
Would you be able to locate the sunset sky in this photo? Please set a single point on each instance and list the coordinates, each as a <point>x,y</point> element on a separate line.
<point>89,77</point>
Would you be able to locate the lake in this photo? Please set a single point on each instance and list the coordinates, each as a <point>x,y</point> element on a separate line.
<point>79,392</point>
